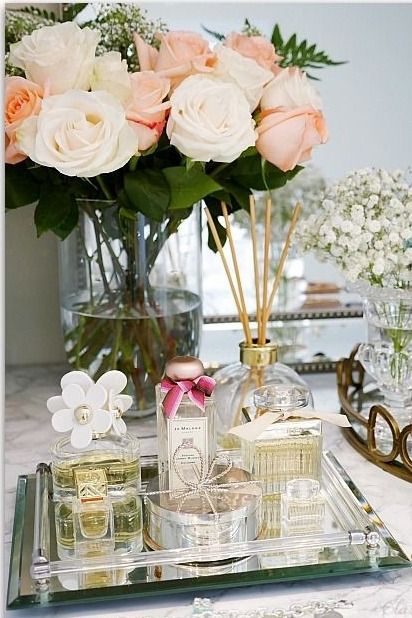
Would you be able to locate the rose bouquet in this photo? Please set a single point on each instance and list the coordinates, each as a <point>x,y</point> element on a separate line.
<point>132,151</point>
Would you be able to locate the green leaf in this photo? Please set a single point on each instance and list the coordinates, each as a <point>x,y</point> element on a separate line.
<point>148,192</point>
<point>21,187</point>
<point>63,229</point>
<point>240,193</point>
<point>188,186</point>
<point>71,10</point>
<point>217,35</point>
<point>248,172</point>
<point>277,39</point>
<point>300,54</point>
<point>53,212</point>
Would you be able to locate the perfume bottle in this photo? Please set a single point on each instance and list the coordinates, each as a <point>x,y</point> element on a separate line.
<point>302,507</point>
<point>302,513</point>
<point>186,427</point>
<point>285,450</point>
<point>113,465</point>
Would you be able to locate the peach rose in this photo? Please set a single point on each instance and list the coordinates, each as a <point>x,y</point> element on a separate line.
<point>257,48</point>
<point>22,99</point>
<point>146,112</point>
<point>286,136</point>
<point>181,54</point>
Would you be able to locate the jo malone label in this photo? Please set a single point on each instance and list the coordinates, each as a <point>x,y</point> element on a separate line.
<point>190,436</point>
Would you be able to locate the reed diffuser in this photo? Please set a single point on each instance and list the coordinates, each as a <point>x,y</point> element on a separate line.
<point>258,364</point>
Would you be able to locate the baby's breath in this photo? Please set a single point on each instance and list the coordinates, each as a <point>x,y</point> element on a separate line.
<point>364,226</point>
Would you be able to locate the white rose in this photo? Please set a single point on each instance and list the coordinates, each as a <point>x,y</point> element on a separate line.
<point>210,120</point>
<point>110,74</point>
<point>79,133</point>
<point>246,73</point>
<point>60,57</point>
<point>290,88</point>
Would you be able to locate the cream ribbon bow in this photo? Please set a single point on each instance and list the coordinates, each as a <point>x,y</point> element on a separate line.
<point>251,431</point>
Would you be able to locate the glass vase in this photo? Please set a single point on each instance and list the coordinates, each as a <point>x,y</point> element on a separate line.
<point>130,294</point>
<point>387,355</point>
<point>236,383</point>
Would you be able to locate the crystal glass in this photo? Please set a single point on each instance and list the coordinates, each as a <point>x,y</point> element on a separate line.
<point>112,464</point>
<point>236,383</point>
<point>130,291</point>
<point>193,431</point>
<point>387,355</point>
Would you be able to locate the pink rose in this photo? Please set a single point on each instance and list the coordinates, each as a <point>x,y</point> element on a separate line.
<point>22,99</point>
<point>286,136</point>
<point>181,54</point>
<point>146,111</point>
<point>257,48</point>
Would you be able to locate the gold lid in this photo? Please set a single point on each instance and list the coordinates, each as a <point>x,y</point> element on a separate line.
<point>91,484</point>
<point>257,355</point>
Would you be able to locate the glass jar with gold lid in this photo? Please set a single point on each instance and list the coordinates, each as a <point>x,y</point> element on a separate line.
<point>236,383</point>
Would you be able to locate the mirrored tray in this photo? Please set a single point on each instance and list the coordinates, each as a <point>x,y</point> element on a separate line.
<point>354,540</point>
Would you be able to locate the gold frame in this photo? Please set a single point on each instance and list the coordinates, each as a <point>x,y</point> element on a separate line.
<point>350,381</point>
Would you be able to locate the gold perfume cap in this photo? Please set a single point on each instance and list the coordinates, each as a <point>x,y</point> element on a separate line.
<point>257,355</point>
<point>184,368</point>
<point>91,484</point>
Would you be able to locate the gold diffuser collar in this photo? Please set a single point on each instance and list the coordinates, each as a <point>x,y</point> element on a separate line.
<point>256,355</point>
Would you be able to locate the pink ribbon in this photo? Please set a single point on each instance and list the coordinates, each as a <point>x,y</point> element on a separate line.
<point>195,389</point>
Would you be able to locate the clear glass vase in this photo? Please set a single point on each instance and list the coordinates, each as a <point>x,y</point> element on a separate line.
<point>387,355</point>
<point>236,383</point>
<point>130,291</point>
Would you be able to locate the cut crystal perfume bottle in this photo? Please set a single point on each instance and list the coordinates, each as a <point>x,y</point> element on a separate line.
<point>186,427</point>
<point>302,508</point>
<point>302,513</point>
<point>287,449</point>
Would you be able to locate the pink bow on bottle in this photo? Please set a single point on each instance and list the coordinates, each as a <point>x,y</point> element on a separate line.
<point>195,389</point>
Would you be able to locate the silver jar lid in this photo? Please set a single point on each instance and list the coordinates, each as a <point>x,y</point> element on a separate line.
<point>172,522</point>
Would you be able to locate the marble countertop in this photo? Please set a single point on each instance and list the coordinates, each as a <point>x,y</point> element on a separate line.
<point>28,435</point>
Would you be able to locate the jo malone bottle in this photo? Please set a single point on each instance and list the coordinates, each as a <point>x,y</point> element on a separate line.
<point>186,427</point>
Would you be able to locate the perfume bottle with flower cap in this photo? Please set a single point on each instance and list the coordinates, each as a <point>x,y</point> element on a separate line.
<point>186,429</point>
<point>95,470</point>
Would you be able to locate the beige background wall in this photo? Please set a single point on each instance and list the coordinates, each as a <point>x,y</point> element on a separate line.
<point>367,105</point>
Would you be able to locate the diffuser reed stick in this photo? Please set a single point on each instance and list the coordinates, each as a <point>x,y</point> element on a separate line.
<point>264,304</point>
<point>252,206</point>
<point>227,270</point>
<point>237,273</point>
<point>282,261</point>
<point>268,212</point>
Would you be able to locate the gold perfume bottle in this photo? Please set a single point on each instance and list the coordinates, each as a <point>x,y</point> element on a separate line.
<point>186,428</point>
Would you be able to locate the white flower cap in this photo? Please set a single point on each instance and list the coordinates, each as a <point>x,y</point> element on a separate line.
<point>86,408</point>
